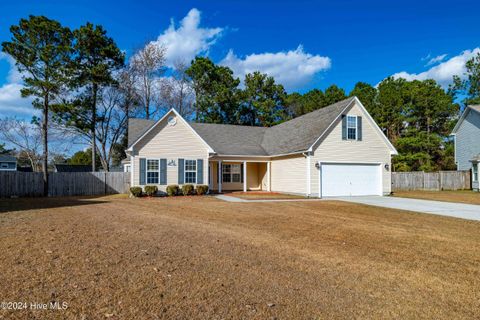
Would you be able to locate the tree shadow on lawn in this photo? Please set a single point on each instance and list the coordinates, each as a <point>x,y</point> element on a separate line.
<point>23,204</point>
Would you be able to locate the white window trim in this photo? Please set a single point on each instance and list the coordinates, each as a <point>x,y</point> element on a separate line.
<point>147,171</point>
<point>232,173</point>
<point>356,127</point>
<point>185,170</point>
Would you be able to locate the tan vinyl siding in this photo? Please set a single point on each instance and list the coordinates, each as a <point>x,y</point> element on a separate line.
<point>289,174</point>
<point>371,149</point>
<point>171,143</point>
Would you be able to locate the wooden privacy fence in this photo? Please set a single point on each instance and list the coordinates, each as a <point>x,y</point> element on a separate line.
<point>442,180</point>
<point>30,184</point>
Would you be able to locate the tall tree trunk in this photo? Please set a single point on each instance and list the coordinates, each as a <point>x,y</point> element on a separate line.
<point>94,126</point>
<point>147,110</point>
<point>45,145</point>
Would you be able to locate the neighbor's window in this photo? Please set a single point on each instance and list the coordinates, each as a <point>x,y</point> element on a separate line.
<point>4,165</point>
<point>475,172</point>
<point>190,171</point>
<point>152,171</point>
<point>232,173</point>
<point>351,127</point>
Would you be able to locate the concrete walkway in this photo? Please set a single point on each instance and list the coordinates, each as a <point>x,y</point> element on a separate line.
<point>450,209</point>
<point>235,199</point>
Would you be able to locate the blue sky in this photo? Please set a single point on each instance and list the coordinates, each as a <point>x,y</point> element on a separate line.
<point>304,44</point>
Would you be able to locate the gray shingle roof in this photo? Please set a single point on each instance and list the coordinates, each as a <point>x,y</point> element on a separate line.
<point>7,158</point>
<point>137,127</point>
<point>300,133</point>
<point>292,136</point>
<point>231,139</point>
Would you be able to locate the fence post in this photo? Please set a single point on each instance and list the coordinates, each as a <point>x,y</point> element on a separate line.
<point>440,181</point>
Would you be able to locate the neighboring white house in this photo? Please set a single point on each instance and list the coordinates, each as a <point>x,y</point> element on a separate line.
<point>335,151</point>
<point>8,163</point>
<point>467,142</point>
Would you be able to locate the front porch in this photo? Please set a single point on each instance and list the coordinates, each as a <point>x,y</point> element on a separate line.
<point>239,175</point>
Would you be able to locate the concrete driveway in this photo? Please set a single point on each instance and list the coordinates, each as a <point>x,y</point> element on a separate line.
<point>450,209</point>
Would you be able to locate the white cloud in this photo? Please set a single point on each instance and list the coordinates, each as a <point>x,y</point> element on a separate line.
<point>443,72</point>
<point>436,59</point>
<point>188,40</point>
<point>11,101</point>
<point>293,68</point>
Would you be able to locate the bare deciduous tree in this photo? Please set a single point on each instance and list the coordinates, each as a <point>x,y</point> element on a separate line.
<point>113,124</point>
<point>25,137</point>
<point>177,90</point>
<point>110,127</point>
<point>148,65</point>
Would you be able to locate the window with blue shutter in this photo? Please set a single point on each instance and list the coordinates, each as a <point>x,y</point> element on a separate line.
<point>143,172</point>
<point>153,171</point>
<point>359,128</point>
<point>190,171</point>
<point>163,171</point>
<point>344,127</point>
<point>181,168</point>
<point>200,171</point>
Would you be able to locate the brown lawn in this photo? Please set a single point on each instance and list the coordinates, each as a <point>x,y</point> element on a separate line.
<point>200,258</point>
<point>462,196</point>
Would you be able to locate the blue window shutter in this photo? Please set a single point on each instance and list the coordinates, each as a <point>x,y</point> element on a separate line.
<point>359,128</point>
<point>344,127</point>
<point>181,170</point>
<point>143,170</point>
<point>199,171</point>
<point>163,171</point>
<point>241,173</point>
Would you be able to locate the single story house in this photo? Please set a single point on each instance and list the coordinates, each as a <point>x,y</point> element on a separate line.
<point>8,162</point>
<point>335,151</point>
<point>467,142</point>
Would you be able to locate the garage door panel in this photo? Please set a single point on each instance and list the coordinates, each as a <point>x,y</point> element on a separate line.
<point>339,179</point>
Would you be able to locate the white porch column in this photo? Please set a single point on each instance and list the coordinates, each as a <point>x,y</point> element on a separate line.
<point>209,176</point>
<point>244,176</point>
<point>219,176</point>
<point>269,179</point>
<point>132,169</point>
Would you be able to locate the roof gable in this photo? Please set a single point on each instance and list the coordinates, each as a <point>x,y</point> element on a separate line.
<point>154,125</point>
<point>464,115</point>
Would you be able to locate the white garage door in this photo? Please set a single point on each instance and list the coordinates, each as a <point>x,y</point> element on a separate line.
<point>350,179</point>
